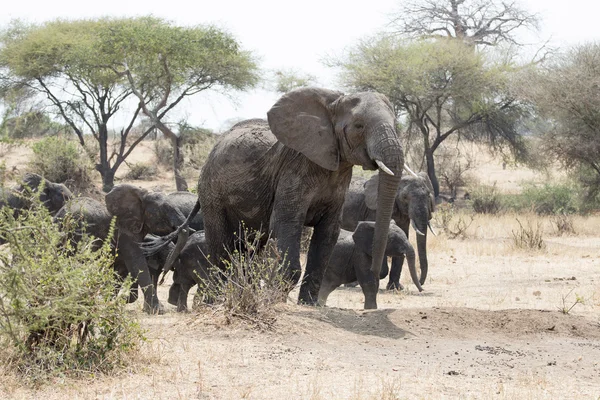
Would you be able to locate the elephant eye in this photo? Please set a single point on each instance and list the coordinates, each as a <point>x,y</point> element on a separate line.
<point>358,125</point>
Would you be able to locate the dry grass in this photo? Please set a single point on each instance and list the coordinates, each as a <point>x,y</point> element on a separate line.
<point>403,350</point>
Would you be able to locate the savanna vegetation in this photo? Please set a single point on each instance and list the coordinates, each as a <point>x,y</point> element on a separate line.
<point>511,145</point>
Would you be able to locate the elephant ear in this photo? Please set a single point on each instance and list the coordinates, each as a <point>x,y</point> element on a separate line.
<point>371,187</point>
<point>302,120</point>
<point>125,202</point>
<point>32,181</point>
<point>363,236</point>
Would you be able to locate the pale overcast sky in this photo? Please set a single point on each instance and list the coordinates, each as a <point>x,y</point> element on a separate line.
<point>290,34</point>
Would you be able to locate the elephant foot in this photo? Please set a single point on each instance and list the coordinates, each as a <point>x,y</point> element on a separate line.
<point>394,286</point>
<point>174,292</point>
<point>370,304</point>
<point>133,296</point>
<point>156,309</point>
<point>308,299</point>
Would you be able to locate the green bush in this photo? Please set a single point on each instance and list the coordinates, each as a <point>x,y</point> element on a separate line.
<point>486,199</point>
<point>61,160</point>
<point>59,313</point>
<point>549,199</point>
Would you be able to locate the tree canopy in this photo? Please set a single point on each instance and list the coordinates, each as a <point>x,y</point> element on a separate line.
<point>92,70</point>
<point>566,93</point>
<point>287,80</point>
<point>442,87</point>
<point>475,22</point>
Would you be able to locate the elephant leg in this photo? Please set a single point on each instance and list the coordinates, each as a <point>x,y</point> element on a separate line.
<point>395,271</point>
<point>178,294</point>
<point>286,228</point>
<point>154,275</point>
<point>397,262</point>
<point>368,282</point>
<point>325,236</point>
<point>219,236</point>
<point>384,268</point>
<point>133,257</point>
<point>133,293</point>
<point>325,290</point>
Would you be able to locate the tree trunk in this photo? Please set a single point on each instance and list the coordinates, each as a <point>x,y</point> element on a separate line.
<point>178,164</point>
<point>431,172</point>
<point>108,175</point>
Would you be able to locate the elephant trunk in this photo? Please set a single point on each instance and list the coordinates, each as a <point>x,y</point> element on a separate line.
<point>419,215</point>
<point>422,248</point>
<point>387,150</point>
<point>410,259</point>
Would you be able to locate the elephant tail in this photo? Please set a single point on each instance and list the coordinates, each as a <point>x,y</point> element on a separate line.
<point>154,245</point>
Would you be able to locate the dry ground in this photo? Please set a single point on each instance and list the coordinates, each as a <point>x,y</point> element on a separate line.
<point>487,326</point>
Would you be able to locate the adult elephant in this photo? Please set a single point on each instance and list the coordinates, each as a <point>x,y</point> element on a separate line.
<point>140,212</point>
<point>414,204</point>
<point>294,170</point>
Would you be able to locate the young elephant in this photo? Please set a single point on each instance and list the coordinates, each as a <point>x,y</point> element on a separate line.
<point>191,267</point>
<point>414,204</point>
<point>351,258</point>
<point>53,195</point>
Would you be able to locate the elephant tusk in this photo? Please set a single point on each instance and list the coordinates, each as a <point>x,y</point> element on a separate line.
<point>410,171</point>
<point>383,167</point>
<point>415,228</point>
<point>431,229</point>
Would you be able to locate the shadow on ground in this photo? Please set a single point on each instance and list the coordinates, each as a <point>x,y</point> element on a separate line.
<point>367,323</point>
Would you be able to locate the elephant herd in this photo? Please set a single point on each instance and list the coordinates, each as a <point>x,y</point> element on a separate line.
<point>290,171</point>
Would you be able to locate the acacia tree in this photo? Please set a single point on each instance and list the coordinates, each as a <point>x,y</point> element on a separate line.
<point>475,22</point>
<point>165,64</point>
<point>442,88</point>
<point>567,95</point>
<point>85,71</point>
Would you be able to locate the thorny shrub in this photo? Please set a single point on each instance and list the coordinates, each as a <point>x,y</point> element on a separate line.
<point>251,282</point>
<point>141,171</point>
<point>61,160</point>
<point>59,311</point>
<point>453,224</point>
<point>486,199</point>
<point>530,236</point>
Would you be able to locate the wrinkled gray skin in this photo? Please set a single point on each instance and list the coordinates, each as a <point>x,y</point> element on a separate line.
<point>414,201</point>
<point>351,258</point>
<point>191,266</point>
<point>140,212</point>
<point>53,195</point>
<point>94,216</point>
<point>294,171</point>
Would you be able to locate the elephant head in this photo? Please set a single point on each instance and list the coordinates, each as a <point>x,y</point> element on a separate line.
<point>332,129</point>
<point>53,195</point>
<point>397,244</point>
<point>414,202</point>
<point>140,212</point>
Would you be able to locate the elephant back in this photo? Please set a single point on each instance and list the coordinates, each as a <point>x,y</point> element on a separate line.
<point>88,213</point>
<point>185,202</point>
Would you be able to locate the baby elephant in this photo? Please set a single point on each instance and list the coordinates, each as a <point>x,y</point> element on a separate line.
<point>190,268</point>
<point>351,258</point>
